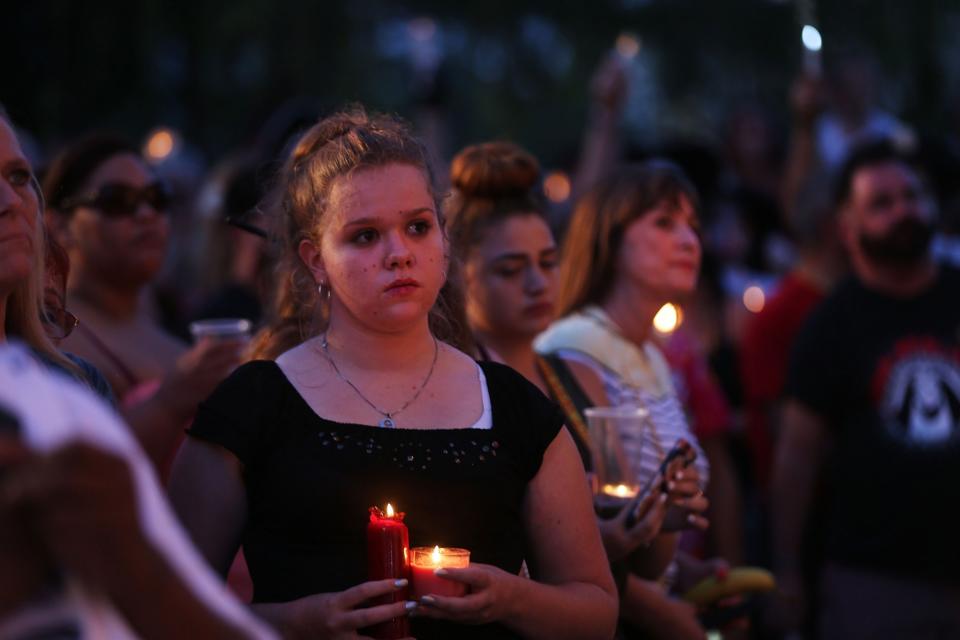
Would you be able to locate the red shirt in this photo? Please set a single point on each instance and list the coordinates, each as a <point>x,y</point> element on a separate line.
<point>698,390</point>
<point>764,353</point>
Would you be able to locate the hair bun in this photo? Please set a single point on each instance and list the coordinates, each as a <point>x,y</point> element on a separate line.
<point>494,170</point>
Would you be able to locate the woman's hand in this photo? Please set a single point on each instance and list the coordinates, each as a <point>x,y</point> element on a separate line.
<point>619,541</point>
<point>490,597</point>
<point>686,503</point>
<point>199,371</point>
<point>337,616</point>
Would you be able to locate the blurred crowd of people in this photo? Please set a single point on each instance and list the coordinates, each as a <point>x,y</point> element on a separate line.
<point>783,305</point>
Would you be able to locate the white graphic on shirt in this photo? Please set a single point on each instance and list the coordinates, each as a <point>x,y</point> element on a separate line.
<point>922,399</point>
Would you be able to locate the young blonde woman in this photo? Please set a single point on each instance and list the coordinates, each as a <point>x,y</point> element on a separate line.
<point>375,405</point>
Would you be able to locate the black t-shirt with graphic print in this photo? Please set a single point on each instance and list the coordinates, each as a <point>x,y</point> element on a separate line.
<point>884,373</point>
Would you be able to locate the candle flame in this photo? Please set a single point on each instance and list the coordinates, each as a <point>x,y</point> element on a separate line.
<point>389,510</point>
<point>619,490</point>
<point>668,319</point>
<point>436,555</point>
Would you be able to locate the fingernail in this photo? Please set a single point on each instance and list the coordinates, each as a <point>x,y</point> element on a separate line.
<point>692,519</point>
<point>671,485</point>
<point>400,584</point>
<point>410,605</point>
<point>428,600</point>
<point>679,475</point>
<point>439,572</point>
<point>663,497</point>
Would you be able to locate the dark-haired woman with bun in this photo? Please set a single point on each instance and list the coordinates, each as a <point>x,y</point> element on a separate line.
<point>498,227</point>
<point>370,400</point>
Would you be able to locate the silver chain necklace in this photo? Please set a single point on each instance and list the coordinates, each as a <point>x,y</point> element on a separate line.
<point>388,416</point>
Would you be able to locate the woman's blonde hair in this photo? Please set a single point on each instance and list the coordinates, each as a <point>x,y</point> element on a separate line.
<point>334,147</point>
<point>25,306</point>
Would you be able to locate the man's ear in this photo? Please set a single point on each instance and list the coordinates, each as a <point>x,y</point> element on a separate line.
<point>846,225</point>
<point>310,255</point>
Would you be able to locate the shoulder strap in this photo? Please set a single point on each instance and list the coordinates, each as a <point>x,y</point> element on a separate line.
<point>566,391</point>
<point>108,353</point>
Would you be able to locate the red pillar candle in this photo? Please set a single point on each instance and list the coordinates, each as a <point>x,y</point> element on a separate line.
<point>426,560</point>
<point>388,556</point>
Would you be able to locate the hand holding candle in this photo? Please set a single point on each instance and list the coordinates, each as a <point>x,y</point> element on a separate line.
<point>425,563</point>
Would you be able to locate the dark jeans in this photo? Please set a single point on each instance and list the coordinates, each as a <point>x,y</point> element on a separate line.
<point>856,604</point>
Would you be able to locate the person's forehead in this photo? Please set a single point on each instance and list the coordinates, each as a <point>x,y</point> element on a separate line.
<point>677,205</point>
<point>9,145</point>
<point>379,191</point>
<point>520,233</point>
<point>120,167</point>
<point>886,175</point>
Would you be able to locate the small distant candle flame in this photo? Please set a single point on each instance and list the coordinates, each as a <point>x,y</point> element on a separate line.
<point>436,555</point>
<point>389,510</point>
<point>754,299</point>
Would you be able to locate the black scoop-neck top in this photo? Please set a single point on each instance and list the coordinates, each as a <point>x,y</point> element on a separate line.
<point>310,481</point>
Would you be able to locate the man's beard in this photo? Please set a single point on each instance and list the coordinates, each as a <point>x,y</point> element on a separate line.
<point>904,245</point>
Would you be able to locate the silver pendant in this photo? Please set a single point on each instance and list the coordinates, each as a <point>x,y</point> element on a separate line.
<point>388,423</point>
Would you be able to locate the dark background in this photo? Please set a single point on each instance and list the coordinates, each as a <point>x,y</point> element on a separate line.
<point>217,71</point>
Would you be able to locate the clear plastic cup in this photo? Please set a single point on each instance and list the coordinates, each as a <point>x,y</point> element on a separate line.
<point>221,329</point>
<point>615,482</point>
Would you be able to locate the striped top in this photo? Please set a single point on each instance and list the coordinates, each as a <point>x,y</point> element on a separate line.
<point>632,376</point>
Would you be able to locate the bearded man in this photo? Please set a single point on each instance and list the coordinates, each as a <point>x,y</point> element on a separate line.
<point>870,432</point>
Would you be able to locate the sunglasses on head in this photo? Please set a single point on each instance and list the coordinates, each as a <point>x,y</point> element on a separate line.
<point>117,200</point>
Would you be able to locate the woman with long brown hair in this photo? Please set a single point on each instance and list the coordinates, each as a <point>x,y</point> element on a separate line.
<point>632,246</point>
<point>376,403</point>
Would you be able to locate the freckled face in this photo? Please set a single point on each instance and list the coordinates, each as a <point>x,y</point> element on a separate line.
<point>382,251</point>
<point>511,278</point>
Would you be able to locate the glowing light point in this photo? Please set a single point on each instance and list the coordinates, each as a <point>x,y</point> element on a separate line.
<point>811,38</point>
<point>628,45</point>
<point>556,187</point>
<point>754,299</point>
<point>160,145</point>
<point>668,319</point>
<point>389,510</point>
<point>435,556</point>
<point>422,29</point>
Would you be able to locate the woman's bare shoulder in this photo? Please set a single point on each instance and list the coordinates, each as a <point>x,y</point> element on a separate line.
<point>589,380</point>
